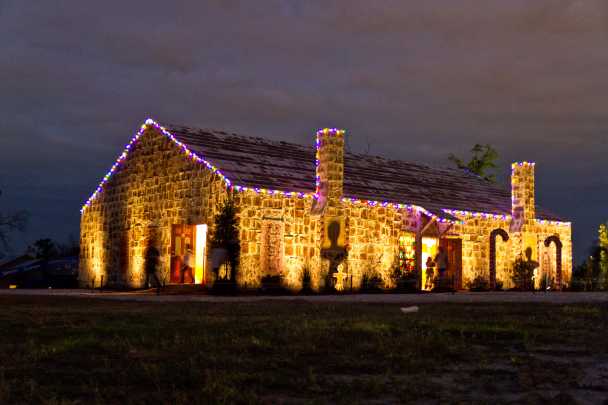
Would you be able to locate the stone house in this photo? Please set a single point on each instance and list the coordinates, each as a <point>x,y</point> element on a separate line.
<point>316,207</point>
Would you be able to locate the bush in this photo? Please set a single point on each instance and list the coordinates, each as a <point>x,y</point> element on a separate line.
<point>371,283</point>
<point>273,284</point>
<point>479,283</point>
<point>306,280</point>
<point>522,274</point>
<point>404,280</point>
<point>407,282</point>
<point>226,236</point>
<point>222,286</point>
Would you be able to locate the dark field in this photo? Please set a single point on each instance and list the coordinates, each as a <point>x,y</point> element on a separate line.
<point>76,350</point>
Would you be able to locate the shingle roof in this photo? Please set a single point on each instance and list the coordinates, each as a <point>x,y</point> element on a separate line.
<point>259,162</point>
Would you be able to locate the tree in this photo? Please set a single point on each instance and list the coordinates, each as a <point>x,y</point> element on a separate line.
<point>226,235</point>
<point>44,249</point>
<point>522,274</point>
<point>483,160</point>
<point>603,256</point>
<point>15,221</point>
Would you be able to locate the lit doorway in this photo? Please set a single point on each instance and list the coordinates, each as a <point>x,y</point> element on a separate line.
<point>453,249</point>
<point>188,244</point>
<point>429,251</point>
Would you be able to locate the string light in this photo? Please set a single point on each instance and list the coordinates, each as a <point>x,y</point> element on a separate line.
<point>551,222</point>
<point>409,207</point>
<point>485,215</point>
<point>522,164</point>
<point>196,158</point>
<point>289,194</point>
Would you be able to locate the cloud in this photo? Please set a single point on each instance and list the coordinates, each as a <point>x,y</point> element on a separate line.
<point>418,79</point>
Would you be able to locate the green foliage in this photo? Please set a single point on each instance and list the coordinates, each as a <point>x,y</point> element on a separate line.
<point>603,236</point>
<point>583,276</point>
<point>593,273</point>
<point>286,351</point>
<point>226,234</point>
<point>483,160</point>
<point>479,283</point>
<point>523,271</point>
<point>404,280</point>
<point>603,256</point>
<point>371,282</point>
<point>306,278</point>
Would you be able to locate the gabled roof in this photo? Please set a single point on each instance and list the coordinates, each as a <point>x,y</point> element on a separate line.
<point>262,163</point>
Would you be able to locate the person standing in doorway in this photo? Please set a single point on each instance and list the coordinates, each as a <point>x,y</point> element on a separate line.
<point>151,265</point>
<point>441,261</point>
<point>430,273</point>
<point>187,264</point>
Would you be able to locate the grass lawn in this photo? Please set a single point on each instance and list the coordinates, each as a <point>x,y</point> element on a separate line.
<point>75,350</point>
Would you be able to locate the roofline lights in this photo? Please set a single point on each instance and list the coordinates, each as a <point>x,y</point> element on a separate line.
<point>123,156</point>
<point>289,194</point>
<point>522,164</point>
<point>550,222</point>
<point>504,217</point>
<point>409,207</point>
<point>196,158</point>
<point>485,215</point>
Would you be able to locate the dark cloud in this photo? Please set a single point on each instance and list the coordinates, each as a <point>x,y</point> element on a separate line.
<point>414,79</point>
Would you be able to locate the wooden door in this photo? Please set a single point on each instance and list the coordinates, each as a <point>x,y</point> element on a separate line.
<point>182,236</point>
<point>453,248</point>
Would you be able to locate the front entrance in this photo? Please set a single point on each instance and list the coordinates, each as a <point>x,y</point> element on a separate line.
<point>188,247</point>
<point>429,273</point>
<point>453,248</point>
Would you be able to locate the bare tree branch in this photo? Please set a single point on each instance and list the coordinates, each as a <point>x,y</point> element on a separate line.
<point>15,221</point>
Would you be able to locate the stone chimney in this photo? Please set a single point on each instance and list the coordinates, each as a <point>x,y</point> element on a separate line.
<point>329,161</point>
<point>523,207</point>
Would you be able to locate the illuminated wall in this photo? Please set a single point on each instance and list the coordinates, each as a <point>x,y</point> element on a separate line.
<point>157,185</point>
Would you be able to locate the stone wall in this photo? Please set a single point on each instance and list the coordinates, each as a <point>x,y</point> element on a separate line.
<point>523,193</point>
<point>156,187</point>
<point>475,234</point>
<point>301,237</point>
<point>373,240</point>
<point>159,186</point>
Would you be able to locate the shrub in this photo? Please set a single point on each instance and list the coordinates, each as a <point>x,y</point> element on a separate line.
<point>306,279</point>
<point>479,283</point>
<point>404,280</point>
<point>371,283</point>
<point>226,236</point>
<point>273,284</point>
<point>522,274</point>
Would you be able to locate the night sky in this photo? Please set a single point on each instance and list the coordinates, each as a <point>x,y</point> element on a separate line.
<point>414,80</point>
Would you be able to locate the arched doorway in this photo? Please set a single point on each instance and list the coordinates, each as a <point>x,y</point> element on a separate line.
<point>505,237</point>
<point>558,259</point>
